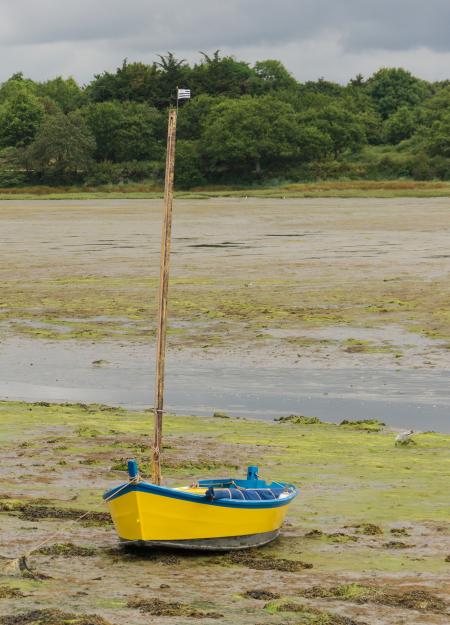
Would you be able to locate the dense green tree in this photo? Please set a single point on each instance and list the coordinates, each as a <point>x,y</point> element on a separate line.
<point>189,170</point>
<point>343,127</point>
<point>243,123</point>
<point>12,172</point>
<point>65,93</point>
<point>63,148</point>
<point>357,82</point>
<point>125,131</point>
<point>104,120</point>
<point>357,101</point>
<point>438,143</point>
<point>400,125</point>
<point>271,75</point>
<point>372,123</point>
<point>104,87</point>
<point>21,114</point>
<point>392,88</point>
<point>324,87</point>
<point>17,83</point>
<point>250,135</point>
<point>137,82</point>
<point>193,115</point>
<point>224,76</point>
<point>436,107</point>
<point>314,144</point>
<point>138,136</point>
<point>303,100</point>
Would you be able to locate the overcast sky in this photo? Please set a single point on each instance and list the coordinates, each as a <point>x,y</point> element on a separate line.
<point>335,39</point>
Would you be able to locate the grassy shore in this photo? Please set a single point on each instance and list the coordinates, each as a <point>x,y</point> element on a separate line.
<point>355,188</point>
<point>364,542</point>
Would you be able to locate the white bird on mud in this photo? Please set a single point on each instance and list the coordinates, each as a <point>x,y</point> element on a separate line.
<point>404,438</point>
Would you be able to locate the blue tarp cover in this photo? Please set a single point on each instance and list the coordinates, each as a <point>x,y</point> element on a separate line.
<point>249,494</point>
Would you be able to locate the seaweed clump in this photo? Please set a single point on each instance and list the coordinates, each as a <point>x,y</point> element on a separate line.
<point>340,537</point>
<point>266,563</point>
<point>10,593</point>
<point>397,544</point>
<point>53,617</point>
<point>345,592</point>
<point>33,512</point>
<point>67,550</point>
<point>265,595</point>
<point>315,533</point>
<point>157,607</point>
<point>366,425</point>
<point>421,600</point>
<point>336,537</point>
<point>400,531</point>
<point>369,529</point>
<point>299,420</point>
<point>133,552</point>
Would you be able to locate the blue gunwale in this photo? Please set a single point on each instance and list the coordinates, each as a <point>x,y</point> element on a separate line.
<point>146,487</point>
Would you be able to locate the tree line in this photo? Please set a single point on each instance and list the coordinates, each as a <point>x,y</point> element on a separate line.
<point>244,125</point>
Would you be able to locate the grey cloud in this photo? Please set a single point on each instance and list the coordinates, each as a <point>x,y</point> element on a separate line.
<point>399,25</point>
<point>162,24</point>
<point>327,37</point>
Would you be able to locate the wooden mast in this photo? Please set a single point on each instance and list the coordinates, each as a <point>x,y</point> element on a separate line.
<point>163,291</point>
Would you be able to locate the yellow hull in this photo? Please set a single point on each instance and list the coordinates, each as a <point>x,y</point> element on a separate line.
<point>214,514</point>
<point>147,517</point>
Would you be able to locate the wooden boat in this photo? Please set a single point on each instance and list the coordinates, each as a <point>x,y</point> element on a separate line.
<point>217,514</point>
<point>212,514</point>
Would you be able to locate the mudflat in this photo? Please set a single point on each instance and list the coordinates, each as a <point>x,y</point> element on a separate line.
<point>331,285</point>
<point>339,305</point>
<point>322,282</point>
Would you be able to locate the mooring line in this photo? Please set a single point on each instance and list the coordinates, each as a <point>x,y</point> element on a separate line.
<point>24,556</point>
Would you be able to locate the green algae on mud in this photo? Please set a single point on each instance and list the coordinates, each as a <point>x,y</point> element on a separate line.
<point>102,308</point>
<point>336,457</point>
<point>356,488</point>
<point>413,480</point>
<point>310,615</point>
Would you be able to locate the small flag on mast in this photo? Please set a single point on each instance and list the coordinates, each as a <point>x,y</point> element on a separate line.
<point>183,94</point>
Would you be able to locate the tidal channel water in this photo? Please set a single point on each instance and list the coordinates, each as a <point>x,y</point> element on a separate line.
<point>64,372</point>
